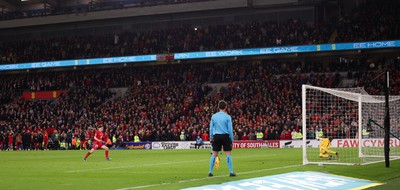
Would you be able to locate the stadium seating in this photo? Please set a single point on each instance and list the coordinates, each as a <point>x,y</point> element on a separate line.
<point>178,39</point>
<point>165,100</point>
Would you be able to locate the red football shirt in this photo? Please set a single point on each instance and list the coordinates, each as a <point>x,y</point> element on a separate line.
<point>10,139</point>
<point>99,135</point>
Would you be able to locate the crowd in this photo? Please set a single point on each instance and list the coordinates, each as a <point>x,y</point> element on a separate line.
<point>372,21</point>
<point>175,39</point>
<point>64,80</point>
<point>87,90</point>
<point>174,102</point>
<point>165,102</point>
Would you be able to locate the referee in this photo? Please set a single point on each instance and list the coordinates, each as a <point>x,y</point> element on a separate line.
<point>221,135</point>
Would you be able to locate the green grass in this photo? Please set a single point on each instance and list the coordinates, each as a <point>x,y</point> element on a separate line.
<point>162,169</point>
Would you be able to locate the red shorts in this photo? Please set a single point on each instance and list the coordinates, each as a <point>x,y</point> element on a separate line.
<point>97,145</point>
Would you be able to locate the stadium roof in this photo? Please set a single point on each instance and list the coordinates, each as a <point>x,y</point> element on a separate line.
<point>12,5</point>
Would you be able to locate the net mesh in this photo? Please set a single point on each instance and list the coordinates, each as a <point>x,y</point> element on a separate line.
<point>336,112</point>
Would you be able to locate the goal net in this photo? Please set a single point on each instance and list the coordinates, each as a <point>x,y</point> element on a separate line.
<point>353,119</point>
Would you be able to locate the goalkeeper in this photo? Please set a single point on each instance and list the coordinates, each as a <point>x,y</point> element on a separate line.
<point>324,148</point>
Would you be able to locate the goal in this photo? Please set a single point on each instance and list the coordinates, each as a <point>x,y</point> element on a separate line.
<point>354,119</point>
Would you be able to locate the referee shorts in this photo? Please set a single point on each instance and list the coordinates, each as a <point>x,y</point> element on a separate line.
<point>222,140</point>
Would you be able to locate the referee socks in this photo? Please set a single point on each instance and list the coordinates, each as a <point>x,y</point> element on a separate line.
<point>212,161</point>
<point>229,162</point>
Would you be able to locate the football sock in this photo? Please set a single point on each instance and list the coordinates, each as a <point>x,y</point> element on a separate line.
<point>212,161</point>
<point>229,162</point>
<point>106,153</point>
<point>87,154</point>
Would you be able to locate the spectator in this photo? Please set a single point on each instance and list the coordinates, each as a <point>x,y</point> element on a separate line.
<point>199,142</point>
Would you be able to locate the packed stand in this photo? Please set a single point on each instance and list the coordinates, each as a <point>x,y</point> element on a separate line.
<point>87,90</point>
<point>373,20</point>
<point>65,80</point>
<point>159,99</point>
<point>84,106</point>
<point>178,39</point>
<point>170,102</point>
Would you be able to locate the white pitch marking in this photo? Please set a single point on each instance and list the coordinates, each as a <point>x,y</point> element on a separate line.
<point>164,172</point>
<point>157,164</point>
<point>205,178</point>
<point>42,157</point>
<point>133,166</point>
<point>144,186</point>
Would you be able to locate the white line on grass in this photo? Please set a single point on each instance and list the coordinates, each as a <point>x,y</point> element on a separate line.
<point>156,164</point>
<point>206,178</point>
<point>144,186</point>
<point>41,157</point>
<point>133,166</point>
<point>164,172</point>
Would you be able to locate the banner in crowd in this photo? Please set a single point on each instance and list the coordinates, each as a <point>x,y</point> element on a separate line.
<point>43,95</point>
<point>79,62</point>
<point>298,143</point>
<point>273,143</point>
<point>206,54</point>
<point>138,145</point>
<point>339,143</point>
<point>312,143</point>
<point>172,145</point>
<point>288,49</point>
<point>345,143</point>
<point>250,144</point>
<point>205,145</point>
<point>165,58</point>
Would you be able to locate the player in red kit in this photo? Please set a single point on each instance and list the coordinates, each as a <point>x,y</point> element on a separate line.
<point>2,140</point>
<point>98,142</point>
<point>10,141</point>
<point>45,140</point>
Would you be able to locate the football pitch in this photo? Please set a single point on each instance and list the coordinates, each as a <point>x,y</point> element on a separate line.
<point>163,169</point>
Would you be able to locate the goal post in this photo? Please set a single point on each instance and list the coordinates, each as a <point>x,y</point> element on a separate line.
<point>353,119</point>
